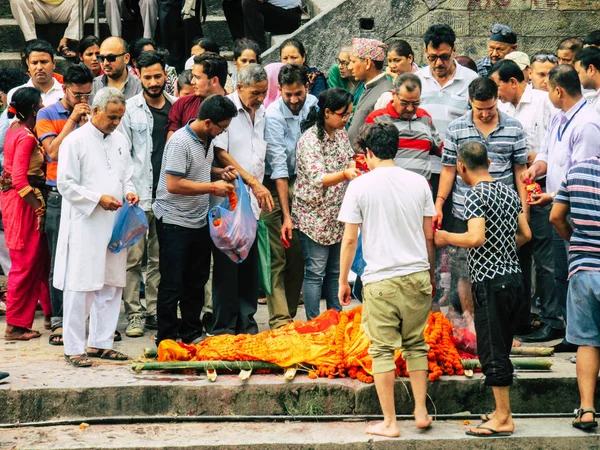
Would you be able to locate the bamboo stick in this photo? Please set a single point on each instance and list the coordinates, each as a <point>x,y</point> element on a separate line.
<point>204,365</point>
<point>532,351</point>
<point>520,364</point>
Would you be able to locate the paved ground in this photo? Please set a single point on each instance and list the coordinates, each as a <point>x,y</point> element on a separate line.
<point>448,435</point>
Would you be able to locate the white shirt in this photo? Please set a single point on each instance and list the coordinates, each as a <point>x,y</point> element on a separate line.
<point>245,142</point>
<point>592,98</point>
<point>534,111</point>
<point>90,165</point>
<point>49,98</point>
<point>390,203</point>
<point>445,103</point>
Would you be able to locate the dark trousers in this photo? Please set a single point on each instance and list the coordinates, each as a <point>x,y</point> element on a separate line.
<point>178,34</point>
<point>560,251</point>
<point>184,267</point>
<point>53,208</point>
<point>497,302</point>
<point>257,18</point>
<point>235,293</point>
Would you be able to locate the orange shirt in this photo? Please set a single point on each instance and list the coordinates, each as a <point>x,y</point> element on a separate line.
<point>50,122</point>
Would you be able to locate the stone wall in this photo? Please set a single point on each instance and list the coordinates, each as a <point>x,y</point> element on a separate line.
<point>539,24</point>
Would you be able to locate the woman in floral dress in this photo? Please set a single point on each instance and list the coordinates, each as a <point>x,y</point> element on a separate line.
<point>324,167</point>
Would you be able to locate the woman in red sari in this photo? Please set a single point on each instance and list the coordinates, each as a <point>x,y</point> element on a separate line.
<point>23,214</point>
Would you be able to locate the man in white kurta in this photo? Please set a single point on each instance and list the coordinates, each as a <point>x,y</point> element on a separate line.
<point>94,178</point>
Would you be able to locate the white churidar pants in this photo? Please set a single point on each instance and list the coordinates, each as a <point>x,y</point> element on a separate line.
<point>102,307</point>
<point>29,12</point>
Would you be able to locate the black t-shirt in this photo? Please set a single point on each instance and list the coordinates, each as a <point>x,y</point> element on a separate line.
<point>500,206</point>
<point>159,140</point>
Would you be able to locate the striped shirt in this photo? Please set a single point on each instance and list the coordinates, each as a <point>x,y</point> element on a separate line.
<point>418,137</point>
<point>581,191</point>
<point>506,146</point>
<point>445,103</point>
<point>185,156</point>
<point>50,122</point>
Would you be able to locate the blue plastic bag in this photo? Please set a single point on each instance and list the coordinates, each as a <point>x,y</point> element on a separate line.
<point>236,232</point>
<point>130,226</point>
<point>359,264</point>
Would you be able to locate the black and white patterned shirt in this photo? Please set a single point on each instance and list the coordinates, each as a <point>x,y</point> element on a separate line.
<point>500,206</point>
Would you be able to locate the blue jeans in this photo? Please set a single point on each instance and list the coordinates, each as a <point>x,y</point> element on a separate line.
<point>53,209</point>
<point>322,264</point>
<point>583,303</point>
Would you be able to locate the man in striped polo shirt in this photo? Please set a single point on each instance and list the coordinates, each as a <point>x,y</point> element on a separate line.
<point>181,210</point>
<point>54,124</point>
<point>418,136</point>
<point>505,140</point>
<point>579,196</point>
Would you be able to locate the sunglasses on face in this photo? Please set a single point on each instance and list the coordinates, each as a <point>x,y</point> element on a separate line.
<point>110,58</point>
<point>445,57</point>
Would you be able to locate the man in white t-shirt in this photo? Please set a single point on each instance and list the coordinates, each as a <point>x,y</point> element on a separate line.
<point>393,208</point>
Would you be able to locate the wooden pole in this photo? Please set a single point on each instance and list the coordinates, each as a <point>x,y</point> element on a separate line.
<point>519,363</point>
<point>203,365</point>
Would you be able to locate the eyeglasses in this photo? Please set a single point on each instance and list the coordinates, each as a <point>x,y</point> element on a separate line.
<point>110,58</point>
<point>445,57</point>
<point>406,104</point>
<point>346,116</point>
<point>543,57</point>
<point>80,96</point>
<point>223,128</point>
<point>504,30</point>
<point>343,63</point>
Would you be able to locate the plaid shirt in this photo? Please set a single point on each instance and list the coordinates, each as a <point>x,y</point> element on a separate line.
<point>506,145</point>
<point>484,65</point>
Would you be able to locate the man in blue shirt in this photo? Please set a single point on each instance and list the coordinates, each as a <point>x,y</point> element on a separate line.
<point>282,132</point>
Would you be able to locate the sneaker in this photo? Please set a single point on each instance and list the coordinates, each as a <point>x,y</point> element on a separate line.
<point>135,328</point>
<point>151,322</point>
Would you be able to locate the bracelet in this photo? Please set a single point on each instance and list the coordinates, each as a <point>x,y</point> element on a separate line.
<point>212,188</point>
<point>252,181</point>
<point>40,211</point>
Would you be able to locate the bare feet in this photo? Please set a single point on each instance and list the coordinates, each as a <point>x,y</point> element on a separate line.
<point>384,429</point>
<point>422,419</point>
<point>495,424</point>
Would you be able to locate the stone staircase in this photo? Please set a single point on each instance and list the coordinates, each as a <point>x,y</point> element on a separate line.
<point>215,27</point>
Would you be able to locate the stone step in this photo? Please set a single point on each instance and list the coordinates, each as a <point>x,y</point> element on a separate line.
<point>530,434</point>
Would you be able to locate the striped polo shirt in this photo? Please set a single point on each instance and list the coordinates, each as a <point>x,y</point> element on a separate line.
<point>50,122</point>
<point>184,156</point>
<point>506,146</point>
<point>418,137</point>
<point>581,191</point>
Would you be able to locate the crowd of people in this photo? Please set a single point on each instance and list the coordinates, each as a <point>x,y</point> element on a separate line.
<point>452,150</point>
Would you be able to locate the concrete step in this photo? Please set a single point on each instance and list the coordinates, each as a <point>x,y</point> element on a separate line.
<point>530,434</point>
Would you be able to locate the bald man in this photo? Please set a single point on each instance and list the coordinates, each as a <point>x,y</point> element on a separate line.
<point>114,57</point>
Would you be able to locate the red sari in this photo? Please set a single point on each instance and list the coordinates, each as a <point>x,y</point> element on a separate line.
<point>29,273</point>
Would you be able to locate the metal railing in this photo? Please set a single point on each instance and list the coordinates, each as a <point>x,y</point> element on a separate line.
<point>82,19</point>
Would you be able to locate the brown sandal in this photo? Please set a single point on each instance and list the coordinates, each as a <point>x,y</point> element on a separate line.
<point>109,354</point>
<point>23,336</point>
<point>66,52</point>
<point>78,360</point>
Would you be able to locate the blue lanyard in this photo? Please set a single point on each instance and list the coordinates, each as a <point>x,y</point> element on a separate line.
<point>560,135</point>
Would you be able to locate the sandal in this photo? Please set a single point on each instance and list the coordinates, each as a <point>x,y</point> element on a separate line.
<point>56,338</point>
<point>117,337</point>
<point>66,52</point>
<point>24,336</point>
<point>577,422</point>
<point>109,354</point>
<point>78,360</point>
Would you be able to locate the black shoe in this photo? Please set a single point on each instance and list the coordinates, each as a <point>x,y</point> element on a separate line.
<point>544,334</point>
<point>565,347</point>
<point>3,375</point>
<point>151,322</point>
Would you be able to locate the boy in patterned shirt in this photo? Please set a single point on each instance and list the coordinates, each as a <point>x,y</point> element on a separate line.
<point>496,228</point>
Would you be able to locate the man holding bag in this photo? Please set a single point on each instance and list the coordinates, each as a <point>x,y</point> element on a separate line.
<point>181,209</point>
<point>94,179</point>
<point>235,286</point>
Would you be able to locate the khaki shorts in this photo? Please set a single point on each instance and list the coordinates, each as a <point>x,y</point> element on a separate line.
<point>395,313</point>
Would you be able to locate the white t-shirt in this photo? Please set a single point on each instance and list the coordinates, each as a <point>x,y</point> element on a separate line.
<point>390,203</point>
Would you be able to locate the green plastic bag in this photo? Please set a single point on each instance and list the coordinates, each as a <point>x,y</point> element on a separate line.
<point>264,258</point>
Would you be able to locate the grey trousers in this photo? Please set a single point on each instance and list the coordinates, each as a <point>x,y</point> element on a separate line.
<point>115,11</point>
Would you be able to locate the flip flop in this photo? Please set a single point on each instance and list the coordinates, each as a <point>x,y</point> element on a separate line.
<point>64,51</point>
<point>25,336</point>
<point>486,417</point>
<point>109,354</point>
<point>492,432</point>
<point>117,337</point>
<point>52,339</point>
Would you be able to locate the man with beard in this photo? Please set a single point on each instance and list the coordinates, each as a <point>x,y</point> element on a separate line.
<point>54,124</point>
<point>144,126</point>
<point>282,132</point>
<point>94,178</point>
<point>114,57</point>
<point>209,75</point>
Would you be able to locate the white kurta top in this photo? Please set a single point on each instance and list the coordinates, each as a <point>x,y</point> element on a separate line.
<point>90,165</point>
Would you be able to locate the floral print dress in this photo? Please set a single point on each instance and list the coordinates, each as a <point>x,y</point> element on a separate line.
<point>315,208</point>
